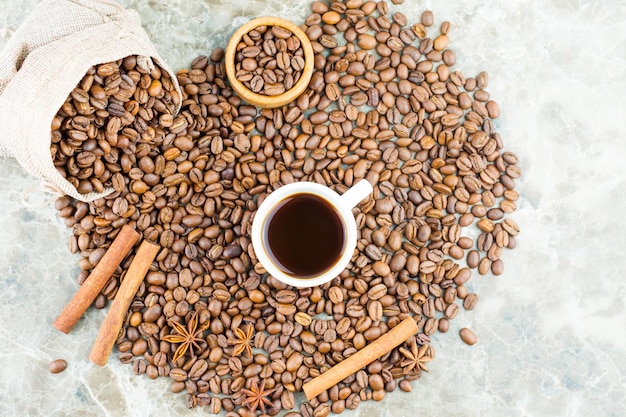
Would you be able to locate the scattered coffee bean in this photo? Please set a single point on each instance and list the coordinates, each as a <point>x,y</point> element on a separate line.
<point>468,336</point>
<point>57,366</point>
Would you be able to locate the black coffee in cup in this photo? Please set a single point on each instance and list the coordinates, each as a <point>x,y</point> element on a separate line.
<point>304,235</point>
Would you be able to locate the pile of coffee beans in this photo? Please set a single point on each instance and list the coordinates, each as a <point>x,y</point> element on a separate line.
<point>110,114</point>
<point>384,104</point>
<point>269,60</point>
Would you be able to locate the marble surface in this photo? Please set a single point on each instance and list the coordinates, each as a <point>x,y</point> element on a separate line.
<point>551,328</point>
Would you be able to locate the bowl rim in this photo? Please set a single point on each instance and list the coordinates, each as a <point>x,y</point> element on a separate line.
<point>260,99</point>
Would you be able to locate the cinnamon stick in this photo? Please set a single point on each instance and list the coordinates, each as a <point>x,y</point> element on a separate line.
<point>385,343</point>
<point>95,282</point>
<point>128,288</point>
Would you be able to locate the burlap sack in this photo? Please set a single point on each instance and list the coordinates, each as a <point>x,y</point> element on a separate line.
<point>45,59</point>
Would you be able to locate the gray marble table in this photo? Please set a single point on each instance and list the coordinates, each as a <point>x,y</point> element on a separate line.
<point>551,328</point>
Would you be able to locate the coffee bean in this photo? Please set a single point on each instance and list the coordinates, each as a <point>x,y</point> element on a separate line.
<point>484,266</point>
<point>497,267</point>
<point>444,325</point>
<point>366,41</point>
<point>303,319</point>
<point>427,18</point>
<point>57,366</point>
<point>468,336</point>
<point>451,311</point>
<point>470,301</point>
<point>323,410</point>
<point>377,292</point>
<point>381,268</point>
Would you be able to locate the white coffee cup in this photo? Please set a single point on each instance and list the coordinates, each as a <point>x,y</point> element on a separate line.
<point>342,205</point>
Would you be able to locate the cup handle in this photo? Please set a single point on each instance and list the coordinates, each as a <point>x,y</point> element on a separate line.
<point>356,194</point>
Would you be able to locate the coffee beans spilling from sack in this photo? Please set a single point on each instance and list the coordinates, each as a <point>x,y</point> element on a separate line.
<point>109,118</point>
<point>384,104</point>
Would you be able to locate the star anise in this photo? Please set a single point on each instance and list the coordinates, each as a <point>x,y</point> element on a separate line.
<point>187,337</point>
<point>416,358</point>
<point>256,396</point>
<point>242,342</point>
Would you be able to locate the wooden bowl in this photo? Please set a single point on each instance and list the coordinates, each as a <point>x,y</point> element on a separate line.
<point>262,100</point>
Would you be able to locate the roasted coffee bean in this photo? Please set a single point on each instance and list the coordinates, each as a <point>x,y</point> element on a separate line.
<point>468,336</point>
<point>470,301</point>
<point>57,366</point>
<point>497,267</point>
<point>376,382</point>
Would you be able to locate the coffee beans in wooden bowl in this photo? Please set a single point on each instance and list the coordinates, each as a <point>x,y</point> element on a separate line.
<point>390,109</point>
<point>269,62</point>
